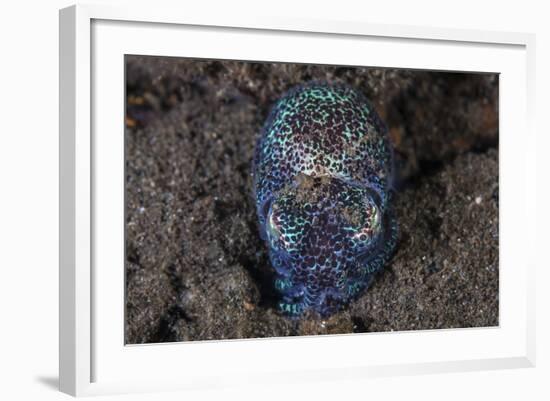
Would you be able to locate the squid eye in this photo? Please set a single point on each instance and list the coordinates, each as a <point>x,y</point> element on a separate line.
<point>273,229</point>
<point>264,209</point>
<point>365,226</point>
<point>286,226</point>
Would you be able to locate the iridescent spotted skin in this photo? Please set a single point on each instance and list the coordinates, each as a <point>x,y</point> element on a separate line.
<point>322,182</point>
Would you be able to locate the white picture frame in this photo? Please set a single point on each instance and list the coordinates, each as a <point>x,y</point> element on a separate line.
<point>94,360</point>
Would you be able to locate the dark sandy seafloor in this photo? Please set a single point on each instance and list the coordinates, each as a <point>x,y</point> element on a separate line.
<point>196,268</point>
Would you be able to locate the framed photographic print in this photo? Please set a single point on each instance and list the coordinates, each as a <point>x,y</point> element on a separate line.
<point>254,199</point>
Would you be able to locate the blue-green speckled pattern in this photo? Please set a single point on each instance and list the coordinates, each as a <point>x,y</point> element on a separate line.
<point>322,180</point>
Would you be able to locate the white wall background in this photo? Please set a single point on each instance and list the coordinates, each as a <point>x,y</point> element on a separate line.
<point>29,198</point>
